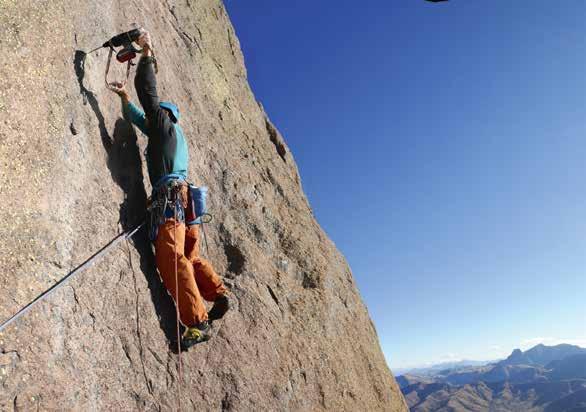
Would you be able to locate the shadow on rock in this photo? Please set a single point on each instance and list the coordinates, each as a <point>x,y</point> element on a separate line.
<point>89,97</point>
<point>125,166</point>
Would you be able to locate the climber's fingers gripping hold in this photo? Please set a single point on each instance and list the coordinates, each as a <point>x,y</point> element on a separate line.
<point>144,41</point>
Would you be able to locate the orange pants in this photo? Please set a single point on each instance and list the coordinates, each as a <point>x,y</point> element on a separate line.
<point>195,275</point>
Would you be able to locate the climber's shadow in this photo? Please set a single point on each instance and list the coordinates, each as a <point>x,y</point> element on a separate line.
<point>125,166</point>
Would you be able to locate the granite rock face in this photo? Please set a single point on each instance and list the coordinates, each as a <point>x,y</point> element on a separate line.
<point>73,176</point>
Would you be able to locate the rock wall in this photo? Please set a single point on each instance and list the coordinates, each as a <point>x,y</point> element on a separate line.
<point>72,177</point>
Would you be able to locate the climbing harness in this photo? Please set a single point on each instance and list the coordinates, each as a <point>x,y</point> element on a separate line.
<point>92,259</point>
<point>173,197</point>
<point>168,200</point>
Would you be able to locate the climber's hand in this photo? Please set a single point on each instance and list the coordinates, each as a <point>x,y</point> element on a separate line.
<point>120,90</point>
<point>144,41</point>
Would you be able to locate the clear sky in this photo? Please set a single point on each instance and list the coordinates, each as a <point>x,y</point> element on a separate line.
<point>443,148</point>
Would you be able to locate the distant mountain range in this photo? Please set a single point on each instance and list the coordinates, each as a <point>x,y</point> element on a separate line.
<point>438,368</point>
<point>543,378</point>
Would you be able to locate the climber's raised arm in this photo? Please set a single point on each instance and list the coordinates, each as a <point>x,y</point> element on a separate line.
<point>145,83</point>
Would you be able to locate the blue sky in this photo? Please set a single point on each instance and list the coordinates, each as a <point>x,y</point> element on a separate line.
<point>442,147</point>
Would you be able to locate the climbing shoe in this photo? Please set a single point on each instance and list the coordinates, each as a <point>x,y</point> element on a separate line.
<point>221,306</point>
<point>196,334</point>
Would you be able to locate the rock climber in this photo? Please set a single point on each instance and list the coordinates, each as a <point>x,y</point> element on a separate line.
<point>167,160</point>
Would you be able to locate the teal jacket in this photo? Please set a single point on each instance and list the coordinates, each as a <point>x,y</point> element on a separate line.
<point>164,155</point>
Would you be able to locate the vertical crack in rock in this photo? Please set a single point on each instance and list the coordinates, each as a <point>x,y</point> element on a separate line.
<point>226,404</point>
<point>187,39</point>
<point>93,320</point>
<point>172,11</point>
<point>75,298</point>
<point>231,43</point>
<point>271,179</point>
<point>140,347</point>
<point>72,128</point>
<point>125,350</point>
<point>156,356</point>
<point>272,293</point>
<point>322,396</point>
<point>192,40</point>
<point>276,140</point>
<point>170,371</point>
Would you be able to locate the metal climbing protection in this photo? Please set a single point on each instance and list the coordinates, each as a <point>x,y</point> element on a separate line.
<point>91,260</point>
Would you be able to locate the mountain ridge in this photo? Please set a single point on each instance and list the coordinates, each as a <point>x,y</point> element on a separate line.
<point>555,376</point>
<point>541,354</point>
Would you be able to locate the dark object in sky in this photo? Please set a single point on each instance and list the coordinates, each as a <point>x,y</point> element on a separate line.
<point>435,1</point>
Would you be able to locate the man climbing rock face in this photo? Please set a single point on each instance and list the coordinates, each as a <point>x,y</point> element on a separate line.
<point>167,160</point>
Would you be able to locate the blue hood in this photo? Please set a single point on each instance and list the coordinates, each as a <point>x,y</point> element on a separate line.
<point>172,109</point>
